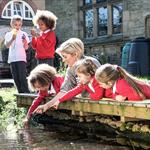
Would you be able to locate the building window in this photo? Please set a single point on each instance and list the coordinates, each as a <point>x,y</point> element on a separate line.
<point>18,8</point>
<point>87,2</point>
<point>102,17</point>
<point>117,18</point>
<point>102,21</point>
<point>89,23</point>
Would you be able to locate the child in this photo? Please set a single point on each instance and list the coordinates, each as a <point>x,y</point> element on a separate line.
<point>42,78</point>
<point>44,44</point>
<point>124,85</point>
<point>17,42</point>
<point>85,72</point>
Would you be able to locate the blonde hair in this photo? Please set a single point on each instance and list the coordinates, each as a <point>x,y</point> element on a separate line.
<point>72,46</point>
<point>15,18</point>
<point>108,72</point>
<point>43,74</point>
<point>47,17</point>
<point>86,67</point>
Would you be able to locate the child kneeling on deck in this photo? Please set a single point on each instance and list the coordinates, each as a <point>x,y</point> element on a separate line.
<point>42,78</point>
<point>87,82</point>
<point>124,86</point>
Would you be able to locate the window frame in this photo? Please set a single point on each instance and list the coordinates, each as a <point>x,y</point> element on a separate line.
<point>95,6</point>
<point>24,4</point>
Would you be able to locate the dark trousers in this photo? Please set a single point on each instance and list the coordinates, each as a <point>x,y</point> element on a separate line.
<point>49,61</point>
<point>18,70</point>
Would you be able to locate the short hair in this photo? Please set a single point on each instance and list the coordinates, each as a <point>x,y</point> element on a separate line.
<point>15,18</point>
<point>43,74</point>
<point>72,46</point>
<point>47,17</point>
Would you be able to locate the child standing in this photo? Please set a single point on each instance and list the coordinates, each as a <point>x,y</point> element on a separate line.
<point>43,78</point>
<point>44,44</point>
<point>124,86</point>
<point>85,71</point>
<point>17,42</point>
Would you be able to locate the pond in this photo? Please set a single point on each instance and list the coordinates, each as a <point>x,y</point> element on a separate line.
<point>39,139</point>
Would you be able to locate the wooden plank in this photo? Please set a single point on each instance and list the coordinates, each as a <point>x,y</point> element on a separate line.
<point>125,110</point>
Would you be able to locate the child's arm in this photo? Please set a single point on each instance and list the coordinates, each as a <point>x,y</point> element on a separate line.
<point>36,102</point>
<point>108,93</point>
<point>72,93</point>
<point>25,41</point>
<point>95,91</point>
<point>8,44</point>
<point>47,39</point>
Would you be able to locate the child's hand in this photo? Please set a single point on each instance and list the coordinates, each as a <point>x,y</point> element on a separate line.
<point>120,98</point>
<point>55,105</point>
<point>34,33</point>
<point>26,123</point>
<point>14,37</point>
<point>14,31</point>
<point>40,109</point>
<point>24,41</point>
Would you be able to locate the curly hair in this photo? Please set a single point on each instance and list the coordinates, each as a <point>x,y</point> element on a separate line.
<point>43,74</point>
<point>47,17</point>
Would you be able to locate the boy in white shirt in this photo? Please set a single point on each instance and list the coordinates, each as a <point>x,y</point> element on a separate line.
<point>17,42</point>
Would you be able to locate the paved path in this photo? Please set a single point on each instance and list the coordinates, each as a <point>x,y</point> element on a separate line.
<point>6,83</point>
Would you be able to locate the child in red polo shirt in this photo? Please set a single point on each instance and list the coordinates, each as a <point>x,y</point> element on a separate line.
<point>43,78</point>
<point>85,72</point>
<point>44,43</point>
<point>124,86</point>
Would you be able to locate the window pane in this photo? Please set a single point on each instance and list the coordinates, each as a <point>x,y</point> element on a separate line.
<point>8,12</point>
<point>89,23</point>
<point>15,12</point>
<point>9,6</point>
<point>4,13</point>
<point>99,1</point>
<point>87,2</point>
<point>18,7</point>
<point>27,14</point>
<point>31,15</point>
<point>117,18</point>
<point>26,8</point>
<point>102,21</point>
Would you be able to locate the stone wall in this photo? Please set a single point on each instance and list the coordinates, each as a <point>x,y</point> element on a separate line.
<point>67,13</point>
<point>135,12</point>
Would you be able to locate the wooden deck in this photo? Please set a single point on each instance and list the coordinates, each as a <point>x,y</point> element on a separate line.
<point>127,111</point>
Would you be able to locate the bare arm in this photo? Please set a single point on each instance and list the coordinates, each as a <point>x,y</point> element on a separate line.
<point>8,44</point>
<point>43,108</point>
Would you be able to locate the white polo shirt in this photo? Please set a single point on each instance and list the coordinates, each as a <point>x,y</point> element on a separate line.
<point>16,50</point>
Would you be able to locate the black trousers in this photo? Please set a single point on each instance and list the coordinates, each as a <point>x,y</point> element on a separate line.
<point>19,72</point>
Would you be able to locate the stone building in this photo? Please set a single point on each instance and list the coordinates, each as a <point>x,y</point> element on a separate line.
<point>104,25</point>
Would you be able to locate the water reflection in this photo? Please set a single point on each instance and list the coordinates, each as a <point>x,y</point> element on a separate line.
<point>37,139</point>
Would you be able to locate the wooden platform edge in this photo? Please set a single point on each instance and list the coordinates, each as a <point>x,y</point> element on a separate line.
<point>127,111</point>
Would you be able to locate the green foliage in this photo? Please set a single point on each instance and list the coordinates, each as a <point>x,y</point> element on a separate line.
<point>62,69</point>
<point>10,115</point>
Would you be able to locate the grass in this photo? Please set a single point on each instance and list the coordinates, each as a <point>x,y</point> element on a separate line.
<point>10,115</point>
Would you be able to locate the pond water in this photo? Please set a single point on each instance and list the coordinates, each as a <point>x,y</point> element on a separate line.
<point>39,139</point>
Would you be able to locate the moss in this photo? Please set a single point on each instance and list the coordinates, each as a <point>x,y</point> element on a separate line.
<point>9,113</point>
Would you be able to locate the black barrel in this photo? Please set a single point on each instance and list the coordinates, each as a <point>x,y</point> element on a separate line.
<point>139,57</point>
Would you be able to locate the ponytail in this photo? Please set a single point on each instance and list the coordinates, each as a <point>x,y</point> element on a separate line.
<point>131,80</point>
